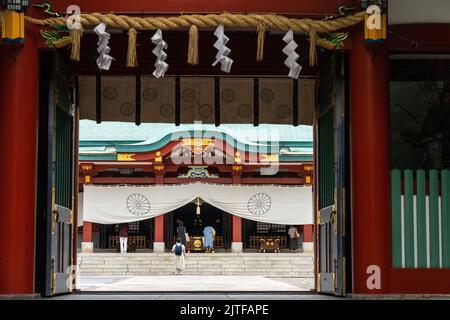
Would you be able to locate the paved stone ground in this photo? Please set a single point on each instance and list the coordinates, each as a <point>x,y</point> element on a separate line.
<point>193,283</point>
<point>197,296</point>
<point>306,283</point>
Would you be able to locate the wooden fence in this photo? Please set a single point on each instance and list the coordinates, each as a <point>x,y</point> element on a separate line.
<point>254,241</point>
<point>141,241</point>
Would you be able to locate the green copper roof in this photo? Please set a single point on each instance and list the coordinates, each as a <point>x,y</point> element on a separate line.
<point>103,141</point>
<point>152,132</point>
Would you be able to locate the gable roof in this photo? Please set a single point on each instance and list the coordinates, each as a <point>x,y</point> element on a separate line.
<point>103,141</point>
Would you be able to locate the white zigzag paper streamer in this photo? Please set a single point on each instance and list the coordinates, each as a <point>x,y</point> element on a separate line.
<point>104,59</point>
<point>291,60</point>
<point>160,65</point>
<point>223,50</point>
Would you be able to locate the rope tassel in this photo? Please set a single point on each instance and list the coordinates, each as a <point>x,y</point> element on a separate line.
<point>312,49</point>
<point>193,45</point>
<point>75,35</point>
<point>260,44</point>
<point>131,54</point>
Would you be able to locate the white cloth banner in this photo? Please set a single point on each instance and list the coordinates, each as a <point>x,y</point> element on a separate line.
<point>80,209</point>
<point>269,204</point>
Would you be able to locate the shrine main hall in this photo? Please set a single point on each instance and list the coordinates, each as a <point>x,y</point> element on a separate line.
<point>247,162</point>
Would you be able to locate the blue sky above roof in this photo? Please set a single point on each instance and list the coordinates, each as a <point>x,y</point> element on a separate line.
<point>152,132</point>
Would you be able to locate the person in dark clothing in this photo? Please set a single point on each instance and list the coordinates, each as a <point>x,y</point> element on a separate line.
<point>433,157</point>
<point>436,133</point>
<point>123,237</point>
<point>181,232</point>
<point>294,237</point>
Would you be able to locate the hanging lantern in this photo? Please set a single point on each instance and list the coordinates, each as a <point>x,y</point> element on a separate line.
<point>13,20</point>
<point>15,5</point>
<point>197,211</point>
<point>13,27</point>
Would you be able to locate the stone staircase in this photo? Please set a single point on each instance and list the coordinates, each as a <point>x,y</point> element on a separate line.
<point>295,265</point>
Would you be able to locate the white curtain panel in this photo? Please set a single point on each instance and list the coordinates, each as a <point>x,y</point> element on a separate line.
<point>269,204</point>
<point>80,209</point>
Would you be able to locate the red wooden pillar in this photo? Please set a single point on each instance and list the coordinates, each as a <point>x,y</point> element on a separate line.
<point>87,231</point>
<point>87,245</point>
<point>159,229</point>
<point>237,229</point>
<point>370,167</point>
<point>236,234</point>
<point>19,92</point>
<point>308,242</point>
<point>308,233</point>
<point>158,244</point>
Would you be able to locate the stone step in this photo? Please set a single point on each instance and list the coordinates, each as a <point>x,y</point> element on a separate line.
<point>281,265</point>
<point>250,265</point>
<point>88,261</point>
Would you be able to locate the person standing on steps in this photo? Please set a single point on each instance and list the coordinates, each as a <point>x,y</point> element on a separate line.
<point>179,261</point>
<point>123,237</point>
<point>208,234</point>
<point>181,232</point>
<point>294,237</point>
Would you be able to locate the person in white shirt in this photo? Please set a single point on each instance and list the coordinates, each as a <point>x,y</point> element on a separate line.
<point>123,237</point>
<point>294,237</point>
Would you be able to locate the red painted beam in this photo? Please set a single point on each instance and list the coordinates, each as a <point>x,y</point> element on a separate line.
<point>303,7</point>
<point>420,281</point>
<point>170,180</point>
<point>99,167</point>
<point>297,168</point>
<point>419,38</point>
<point>290,181</point>
<point>123,180</point>
<point>107,165</point>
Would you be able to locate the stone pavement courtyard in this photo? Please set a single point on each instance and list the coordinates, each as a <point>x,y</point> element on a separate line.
<point>193,283</point>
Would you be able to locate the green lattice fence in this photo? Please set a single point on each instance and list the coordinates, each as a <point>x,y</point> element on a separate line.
<point>420,218</point>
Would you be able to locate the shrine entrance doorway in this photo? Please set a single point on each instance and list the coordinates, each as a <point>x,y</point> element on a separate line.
<point>195,221</point>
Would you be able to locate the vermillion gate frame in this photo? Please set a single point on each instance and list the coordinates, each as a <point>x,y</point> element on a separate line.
<point>368,147</point>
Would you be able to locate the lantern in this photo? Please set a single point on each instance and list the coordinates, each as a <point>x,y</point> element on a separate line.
<point>198,203</point>
<point>15,5</point>
<point>383,4</point>
<point>13,21</point>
